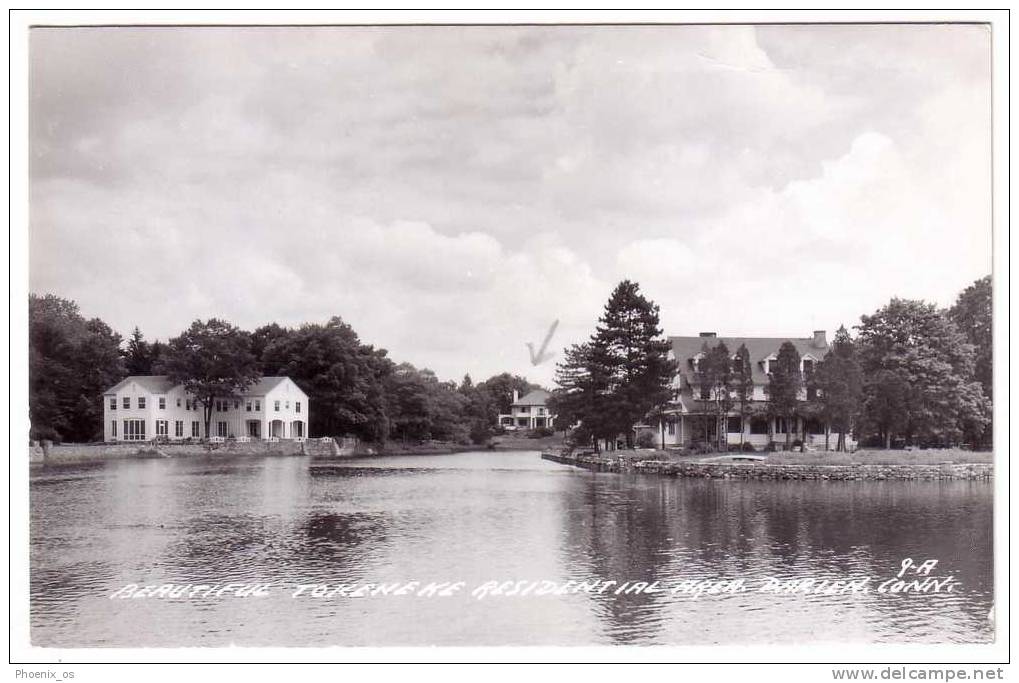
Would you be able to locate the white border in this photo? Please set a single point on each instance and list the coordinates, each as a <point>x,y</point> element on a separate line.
<point>23,652</point>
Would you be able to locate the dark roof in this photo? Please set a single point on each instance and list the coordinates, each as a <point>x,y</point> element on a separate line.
<point>760,348</point>
<point>538,397</point>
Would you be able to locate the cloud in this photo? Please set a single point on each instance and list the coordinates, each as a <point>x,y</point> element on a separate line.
<point>452,191</point>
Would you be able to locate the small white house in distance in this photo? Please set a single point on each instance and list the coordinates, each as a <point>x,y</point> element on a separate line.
<point>147,407</point>
<point>528,412</point>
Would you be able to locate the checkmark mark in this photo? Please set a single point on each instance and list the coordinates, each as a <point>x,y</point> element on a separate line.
<point>542,355</point>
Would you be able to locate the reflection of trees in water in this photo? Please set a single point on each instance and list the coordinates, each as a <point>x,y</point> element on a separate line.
<point>646,529</point>
<point>219,548</point>
<point>336,546</point>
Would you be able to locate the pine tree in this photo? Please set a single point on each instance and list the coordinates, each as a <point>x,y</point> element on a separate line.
<point>839,380</point>
<point>628,343</point>
<point>784,385</point>
<point>743,386</point>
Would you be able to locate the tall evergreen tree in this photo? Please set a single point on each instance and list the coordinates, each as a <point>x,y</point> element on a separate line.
<point>839,380</point>
<point>628,343</point>
<point>784,384</point>
<point>743,387</point>
<point>720,380</point>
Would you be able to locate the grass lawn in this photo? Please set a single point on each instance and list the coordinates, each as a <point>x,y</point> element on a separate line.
<point>861,457</point>
<point>882,457</point>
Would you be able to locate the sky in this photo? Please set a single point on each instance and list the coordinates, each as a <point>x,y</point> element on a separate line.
<point>450,192</point>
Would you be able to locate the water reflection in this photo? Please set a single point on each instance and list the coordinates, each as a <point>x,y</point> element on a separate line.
<point>478,517</point>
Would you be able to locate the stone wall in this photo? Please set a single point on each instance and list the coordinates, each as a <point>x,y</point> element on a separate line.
<point>763,471</point>
<point>69,453</point>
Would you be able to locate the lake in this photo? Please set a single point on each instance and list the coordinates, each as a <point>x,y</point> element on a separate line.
<point>484,517</point>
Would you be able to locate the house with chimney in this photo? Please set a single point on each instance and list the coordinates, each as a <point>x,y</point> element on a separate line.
<point>528,412</point>
<point>692,417</point>
<point>151,407</point>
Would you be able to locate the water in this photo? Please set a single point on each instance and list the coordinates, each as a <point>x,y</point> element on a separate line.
<point>478,517</point>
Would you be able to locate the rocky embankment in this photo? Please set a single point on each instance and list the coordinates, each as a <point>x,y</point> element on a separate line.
<point>606,462</point>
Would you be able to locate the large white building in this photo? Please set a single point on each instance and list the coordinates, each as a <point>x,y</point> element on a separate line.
<point>148,407</point>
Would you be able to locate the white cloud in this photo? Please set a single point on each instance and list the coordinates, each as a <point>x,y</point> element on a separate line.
<point>451,192</point>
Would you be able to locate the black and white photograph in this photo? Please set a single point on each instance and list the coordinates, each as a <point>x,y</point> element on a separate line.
<point>614,336</point>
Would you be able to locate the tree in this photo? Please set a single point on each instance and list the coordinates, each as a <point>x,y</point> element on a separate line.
<point>628,347</point>
<point>142,358</point>
<point>581,388</point>
<point>721,377</point>
<point>212,360</point>
<point>71,362</point>
<point>839,381</point>
<point>784,384</point>
<point>972,315</point>
<point>499,388</point>
<point>918,368</point>
<point>421,407</point>
<point>743,386</point>
<point>345,380</point>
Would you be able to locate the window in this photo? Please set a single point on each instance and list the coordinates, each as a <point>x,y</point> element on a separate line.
<point>178,403</point>
<point>113,403</point>
<point>162,402</point>
<point>195,433</point>
<point>525,409</point>
<point>247,407</point>
<point>126,401</point>
<point>161,428</point>
<point>808,367</point>
<point>113,429</point>
<point>541,411</point>
<point>758,425</point>
<point>134,430</point>
<point>705,392</point>
<point>276,406</point>
<point>297,406</point>
<point>221,429</point>
<point>298,429</point>
<point>734,425</point>
<point>141,403</point>
<point>187,404</point>
<point>258,406</point>
<point>178,428</point>
<point>237,405</point>
<point>287,405</point>
<point>811,393</point>
<point>219,407</point>
<point>780,425</point>
<point>670,428</point>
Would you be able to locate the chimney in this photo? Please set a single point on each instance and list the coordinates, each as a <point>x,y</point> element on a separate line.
<point>820,339</point>
<point>708,334</point>
<point>516,395</point>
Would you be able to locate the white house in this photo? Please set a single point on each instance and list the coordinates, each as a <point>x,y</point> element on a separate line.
<point>528,412</point>
<point>147,407</point>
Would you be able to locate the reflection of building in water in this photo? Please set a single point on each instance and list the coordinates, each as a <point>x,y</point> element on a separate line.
<point>672,530</point>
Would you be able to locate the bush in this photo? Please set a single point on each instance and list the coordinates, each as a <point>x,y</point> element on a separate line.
<point>798,443</point>
<point>541,433</point>
<point>646,440</point>
<point>702,448</point>
<point>749,447</point>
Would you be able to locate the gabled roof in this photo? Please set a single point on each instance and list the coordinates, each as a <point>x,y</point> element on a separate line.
<point>161,384</point>
<point>538,397</point>
<point>154,384</point>
<point>760,348</point>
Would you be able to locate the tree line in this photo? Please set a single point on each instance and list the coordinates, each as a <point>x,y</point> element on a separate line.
<point>914,374</point>
<point>354,388</point>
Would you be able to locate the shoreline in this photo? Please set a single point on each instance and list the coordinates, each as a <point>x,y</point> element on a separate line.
<point>777,472</point>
